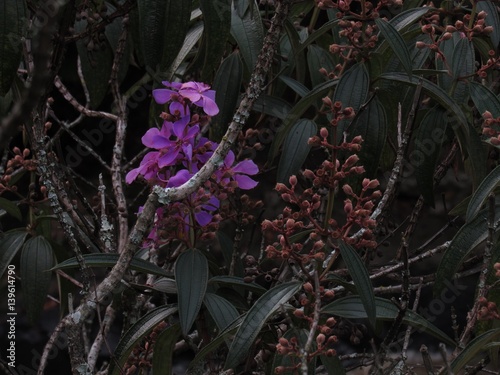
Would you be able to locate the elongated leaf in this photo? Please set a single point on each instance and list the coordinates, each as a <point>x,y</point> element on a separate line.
<point>109,260</point>
<point>227,86</point>
<point>96,65</point>
<point>318,58</point>
<point>217,21</point>
<point>372,126</point>
<point>484,99</point>
<point>237,282</point>
<point>351,307</point>
<point>361,279</point>
<point>193,36</point>
<point>13,24</point>
<point>295,149</point>
<point>191,275</point>
<point>297,111</point>
<point>165,285</point>
<point>137,332</point>
<point>11,208</point>
<point>435,92</point>
<point>408,17</point>
<point>295,85</point>
<point>10,243</point>
<point>427,147</point>
<point>466,239</point>
<point>318,34</point>
<point>397,44</point>
<point>164,348</point>
<point>36,259</point>
<point>463,66</point>
<point>256,318</point>
<point>351,91</point>
<point>333,365</point>
<point>222,311</point>
<point>296,59</point>
<point>492,19</point>
<point>272,105</point>
<point>481,194</point>
<point>249,34</point>
<point>215,343</point>
<point>475,347</point>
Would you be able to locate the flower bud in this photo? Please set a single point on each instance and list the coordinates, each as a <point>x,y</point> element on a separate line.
<point>320,339</point>
<point>308,287</point>
<point>347,189</point>
<point>323,132</point>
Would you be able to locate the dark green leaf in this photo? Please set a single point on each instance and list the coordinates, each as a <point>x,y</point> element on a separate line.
<point>37,259</point>
<point>351,307</point>
<point>272,106</point>
<point>10,243</point>
<point>256,318</point>
<point>491,181</point>
<point>408,17</point>
<point>163,349</point>
<point>295,149</point>
<point>361,279</point>
<point>97,60</point>
<point>295,85</point>
<point>297,111</point>
<point>165,285</point>
<point>193,36</point>
<point>221,310</point>
<point>318,34</point>
<point>435,92</point>
<point>191,275</point>
<point>427,147</point>
<point>318,58</point>
<point>11,208</point>
<point>137,332</point>
<point>13,23</point>
<point>466,239</point>
<point>109,260</point>
<point>227,86</point>
<point>397,43</point>
<point>352,91</point>
<point>333,365</point>
<point>249,34</point>
<point>237,282</point>
<point>492,19</point>
<point>472,349</point>
<point>484,99</point>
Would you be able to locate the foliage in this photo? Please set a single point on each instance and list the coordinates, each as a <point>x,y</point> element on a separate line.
<point>245,227</point>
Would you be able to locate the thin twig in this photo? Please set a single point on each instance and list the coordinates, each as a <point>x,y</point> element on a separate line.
<point>314,326</point>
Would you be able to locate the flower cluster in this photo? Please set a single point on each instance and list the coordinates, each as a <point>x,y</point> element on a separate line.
<point>19,160</point>
<point>491,128</point>
<point>180,151</point>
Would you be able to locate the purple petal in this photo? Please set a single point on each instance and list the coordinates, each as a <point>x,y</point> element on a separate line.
<point>192,132</point>
<point>193,96</point>
<point>175,85</point>
<point>132,175</point>
<point>180,126</point>
<point>147,139</point>
<point>210,107</point>
<point>245,182</point>
<point>229,159</point>
<point>209,94</point>
<point>181,177</point>
<point>247,167</point>
<point>203,218</point>
<point>168,158</point>
<point>178,107</point>
<point>188,151</point>
<point>162,96</point>
<point>160,142</point>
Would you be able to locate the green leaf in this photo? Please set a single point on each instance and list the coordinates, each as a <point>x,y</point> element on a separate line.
<point>249,34</point>
<point>193,36</point>
<point>222,311</point>
<point>397,44</point>
<point>491,181</point>
<point>13,23</point>
<point>351,91</point>
<point>297,111</point>
<point>492,19</point>
<point>227,85</point>
<point>427,148</point>
<point>472,349</point>
<point>272,106</point>
<point>317,34</point>
<point>466,239</point>
<point>351,307</point>
<point>109,260</point>
<point>408,17</point>
<point>361,279</point>
<point>435,92</point>
<point>318,58</point>
<point>333,365</point>
<point>484,99</point>
<point>256,318</point>
<point>295,85</point>
<point>165,285</point>
<point>137,332</point>
<point>11,208</point>
<point>295,149</point>
<point>163,27</point>
<point>96,65</point>
<point>10,243</point>
<point>164,348</point>
<point>237,282</point>
<point>371,124</point>
<point>36,259</point>
<point>191,275</point>
<point>217,21</point>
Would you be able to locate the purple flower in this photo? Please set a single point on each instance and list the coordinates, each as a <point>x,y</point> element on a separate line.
<point>238,172</point>
<point>198,93</point>
<point>148,168</point>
